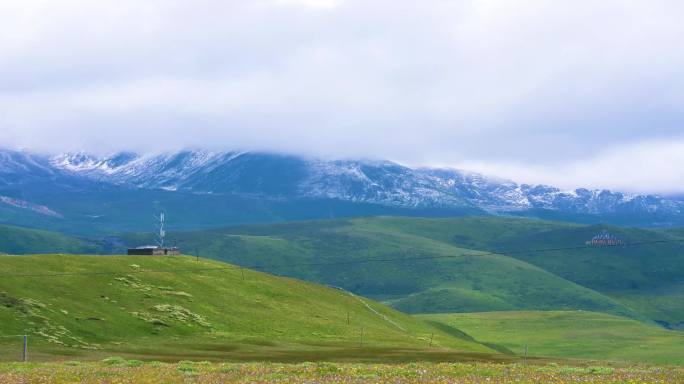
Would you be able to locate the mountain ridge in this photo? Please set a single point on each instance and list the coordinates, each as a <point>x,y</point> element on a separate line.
<point>387,182</point>
<point>282,177</point>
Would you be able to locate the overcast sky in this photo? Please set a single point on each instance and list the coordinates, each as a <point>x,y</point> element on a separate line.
<point>569,93</point>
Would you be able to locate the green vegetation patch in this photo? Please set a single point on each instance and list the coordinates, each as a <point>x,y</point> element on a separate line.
<point>469,373</point>
<point>469,264</point>
<point>574,334</point>
<point>206,309</point>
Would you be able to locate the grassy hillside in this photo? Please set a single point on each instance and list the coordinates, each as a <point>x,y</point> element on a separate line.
<point>18,240</point>
<point>431,275</point>
<point>675,231</point>
<point>446,265</point>
<point>180,308</point>
<point>574,334</point>
<point>648,278</point>
<point>617,268</point>
<point>455,274</point>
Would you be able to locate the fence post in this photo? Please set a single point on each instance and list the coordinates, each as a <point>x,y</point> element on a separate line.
<point>24,356</point>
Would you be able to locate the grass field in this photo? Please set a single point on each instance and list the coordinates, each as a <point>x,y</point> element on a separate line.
<point>175,308</point>
<point>204,314</point>
<point>449,278</point>
<point>575,334</point>
<point>442,265</point>
<point>18,240</point>
<point>117,370</point>
<point>458,273</point>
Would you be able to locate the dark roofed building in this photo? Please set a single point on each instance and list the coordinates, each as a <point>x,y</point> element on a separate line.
<point>154,250</point>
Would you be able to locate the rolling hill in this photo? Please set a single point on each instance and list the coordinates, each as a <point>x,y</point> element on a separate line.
<point>175,308</point>
<point>581,335</point>
<point>18,240</point>
<point>647,277</point>
<point>434,265</point>
<point>438,265</point>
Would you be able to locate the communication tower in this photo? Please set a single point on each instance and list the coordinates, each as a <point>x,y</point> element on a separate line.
<point>161,230</point>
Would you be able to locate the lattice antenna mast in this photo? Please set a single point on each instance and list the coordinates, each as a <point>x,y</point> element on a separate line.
<point>161,230</point>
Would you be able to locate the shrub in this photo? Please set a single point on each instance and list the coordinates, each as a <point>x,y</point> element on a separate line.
<point>134,363</point>
<point>187,367</point>
<point>600,370</point>
<point>115,361</point>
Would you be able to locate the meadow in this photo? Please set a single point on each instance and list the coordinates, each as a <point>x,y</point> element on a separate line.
<point>438,265</point>
<point>121,371</point>
<point>176,308</point>
<point>471,264</point>
<point>571,334</point>
<point>155,312</point>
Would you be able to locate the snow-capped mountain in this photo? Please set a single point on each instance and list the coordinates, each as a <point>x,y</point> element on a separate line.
<point>21,167</point>
<point>285,179</point>
<point>379,182</point>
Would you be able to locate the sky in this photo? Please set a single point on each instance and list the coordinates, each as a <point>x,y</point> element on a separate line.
<point>568,93</point>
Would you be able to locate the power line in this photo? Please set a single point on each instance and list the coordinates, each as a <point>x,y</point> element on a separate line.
<point>337,263</point>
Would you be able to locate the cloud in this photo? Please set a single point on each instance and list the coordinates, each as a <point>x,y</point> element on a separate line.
<point>475,81</point>
<point>310,3</point>
<point>640,168</point>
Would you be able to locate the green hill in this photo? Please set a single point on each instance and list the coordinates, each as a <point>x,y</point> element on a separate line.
<point>18,240</point>
<point>449,265</point>
<point>176,308</point>
<point>649,278</point>
<point>435,265</point>
<point>576,334</point>
<point>675,231</point>
<point>432,275</point>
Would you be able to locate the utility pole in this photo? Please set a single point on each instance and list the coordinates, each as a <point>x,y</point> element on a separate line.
<point>432,336</point>
<point>348,318</point>
<point>24,356</point>
<point>361,341</point>
<point>525,360</point>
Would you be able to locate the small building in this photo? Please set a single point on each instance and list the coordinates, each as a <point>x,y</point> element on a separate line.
<point>153,250</point>
<point>159,249</point>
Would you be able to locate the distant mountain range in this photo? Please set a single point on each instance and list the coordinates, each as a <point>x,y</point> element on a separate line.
<point>279,187</point>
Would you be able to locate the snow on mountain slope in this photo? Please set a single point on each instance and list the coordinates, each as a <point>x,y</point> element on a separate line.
<point>165,171</point>
<point>285,178</point>
<point>19,166</point>
<point>379,182</point>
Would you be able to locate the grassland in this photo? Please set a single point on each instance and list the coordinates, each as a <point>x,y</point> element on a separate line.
<point>116,370</point>
<point>447,265</point>
<point>18,240</point>
<point>576,334</point>
<point>175,308</point>
<point>444,265</point>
